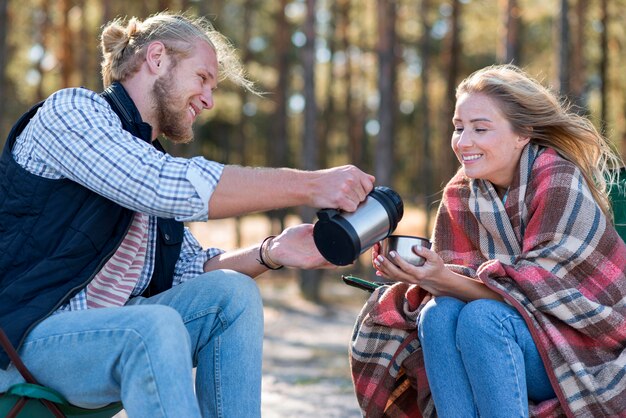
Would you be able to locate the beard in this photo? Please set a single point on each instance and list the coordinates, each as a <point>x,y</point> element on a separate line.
<point>171,111</point>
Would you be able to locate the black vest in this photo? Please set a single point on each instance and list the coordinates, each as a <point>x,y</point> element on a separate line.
<point>55,235</point>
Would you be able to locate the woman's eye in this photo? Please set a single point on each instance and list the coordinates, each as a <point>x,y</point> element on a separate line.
<point>458,130</point>
<point>480,130</point>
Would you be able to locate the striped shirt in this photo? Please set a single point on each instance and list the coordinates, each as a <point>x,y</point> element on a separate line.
<point>76,135</point>
<point>115,282</point>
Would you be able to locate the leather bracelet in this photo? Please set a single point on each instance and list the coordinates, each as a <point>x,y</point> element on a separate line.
<point>264,255</point>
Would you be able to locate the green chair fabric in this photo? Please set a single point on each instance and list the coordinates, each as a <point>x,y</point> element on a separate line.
<point>618,202</point>
<point>32,400</point>
<point>33,394</point>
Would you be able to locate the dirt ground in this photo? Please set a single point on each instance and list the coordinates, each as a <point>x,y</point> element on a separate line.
<point>305,356</point>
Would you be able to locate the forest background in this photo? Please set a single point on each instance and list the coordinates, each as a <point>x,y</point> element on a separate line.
<point>364,82</point>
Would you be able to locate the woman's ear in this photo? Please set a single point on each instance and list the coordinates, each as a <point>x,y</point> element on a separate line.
<point>522,141</point>
<point>524,138</point>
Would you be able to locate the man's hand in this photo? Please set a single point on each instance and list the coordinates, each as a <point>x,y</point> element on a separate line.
<point>295,247</point>
<point>340,188</point>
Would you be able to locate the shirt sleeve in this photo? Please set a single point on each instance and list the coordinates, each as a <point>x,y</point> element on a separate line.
<point>192,257</point>
<point>76,135</point>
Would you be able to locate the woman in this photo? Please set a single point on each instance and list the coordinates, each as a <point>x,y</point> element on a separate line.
<point>519,306</point>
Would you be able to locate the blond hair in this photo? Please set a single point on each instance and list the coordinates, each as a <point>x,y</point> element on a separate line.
<point>124,45</point>
<point>535,111</point>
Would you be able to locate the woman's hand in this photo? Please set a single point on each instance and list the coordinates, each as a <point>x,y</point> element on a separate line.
<point>295,247</point>
<point>431,276</point>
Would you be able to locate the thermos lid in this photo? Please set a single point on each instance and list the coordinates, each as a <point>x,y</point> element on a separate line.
<point>335,238</point>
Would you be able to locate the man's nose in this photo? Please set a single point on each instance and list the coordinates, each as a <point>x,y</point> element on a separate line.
<point>207,100</point>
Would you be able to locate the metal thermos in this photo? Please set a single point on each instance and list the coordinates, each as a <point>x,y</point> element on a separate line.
<point>342,236</point>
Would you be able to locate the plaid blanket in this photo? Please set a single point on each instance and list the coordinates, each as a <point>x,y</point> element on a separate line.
<point>552,254</point>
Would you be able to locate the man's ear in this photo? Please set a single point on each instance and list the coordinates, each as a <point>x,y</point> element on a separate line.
<point>156,55</point>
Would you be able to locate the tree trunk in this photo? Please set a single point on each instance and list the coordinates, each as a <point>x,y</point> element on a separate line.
<point>383,158</point>
<point>309,149</point>
<point>509,50</point>
<point>107,12</point>
<point>353,127</point>
<point>43,38</point>
<point>66,55</point>
<point>164,4</point>
<point>604,65</point>
<point>577,77</point>
<point>564,49</point>
<point>310,280</point>
<point>277,150</point>
<point>453,53</point>
<point>328,116</point>
<point>242,126</point>
<point>426,172</point>
<point>86,71</point>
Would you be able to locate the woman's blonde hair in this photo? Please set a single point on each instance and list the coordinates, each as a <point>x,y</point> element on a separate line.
<point>535,111</point>
<point>124,45</point>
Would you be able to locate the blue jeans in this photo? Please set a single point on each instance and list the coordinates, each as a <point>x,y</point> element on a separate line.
<point>480,359</point>
<point>144,353</point>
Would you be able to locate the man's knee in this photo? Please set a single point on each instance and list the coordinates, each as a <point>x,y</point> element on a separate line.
<point>234,287</point>
<point>156,334</point>
<point>157,322</point>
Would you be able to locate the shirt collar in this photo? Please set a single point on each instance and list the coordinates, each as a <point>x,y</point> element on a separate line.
<point>123,105</point>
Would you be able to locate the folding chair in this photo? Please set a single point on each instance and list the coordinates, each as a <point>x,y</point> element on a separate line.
<point>618,202</point>
<point>32,400</point>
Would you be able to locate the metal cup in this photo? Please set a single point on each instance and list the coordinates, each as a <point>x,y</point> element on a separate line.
<point>403,245</point>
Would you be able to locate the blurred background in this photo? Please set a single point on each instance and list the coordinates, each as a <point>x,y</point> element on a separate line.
<point>365,82</point>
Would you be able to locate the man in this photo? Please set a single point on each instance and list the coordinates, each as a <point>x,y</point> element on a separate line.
<point>105,293</point>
